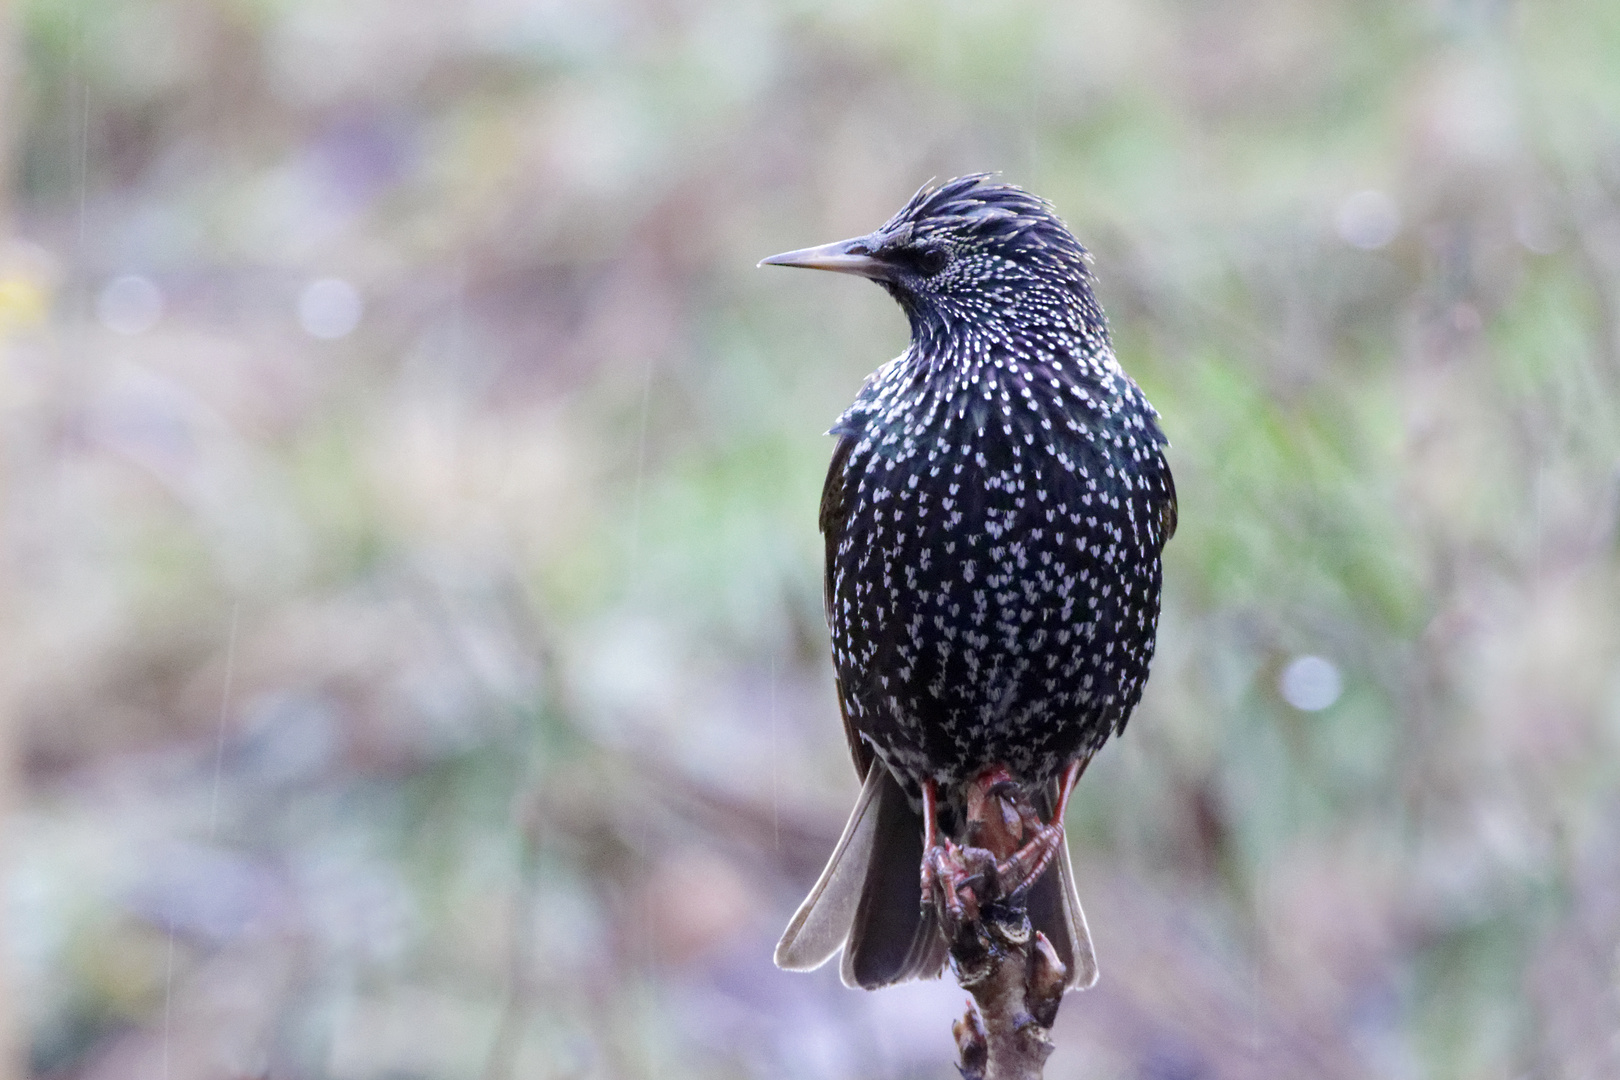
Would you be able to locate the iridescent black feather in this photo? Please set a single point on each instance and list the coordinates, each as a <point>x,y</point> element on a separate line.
<point>994,516</point>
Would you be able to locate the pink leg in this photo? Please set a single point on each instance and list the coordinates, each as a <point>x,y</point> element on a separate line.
<point>1021,869</point>
<point>1065,789</point>
<point>930,796</point>
<point>1017,846</point>
<point>948,871</point>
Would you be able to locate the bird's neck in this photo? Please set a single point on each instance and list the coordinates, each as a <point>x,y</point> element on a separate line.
<point>1021,317</point>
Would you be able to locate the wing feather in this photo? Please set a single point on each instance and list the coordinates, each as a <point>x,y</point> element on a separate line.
<point>834,514</point>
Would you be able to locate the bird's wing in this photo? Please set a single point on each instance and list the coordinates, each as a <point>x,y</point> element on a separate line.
<point>834,513</point>
<point>1167,509</point>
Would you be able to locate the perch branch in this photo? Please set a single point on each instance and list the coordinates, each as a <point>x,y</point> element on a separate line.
<point>1011,970</point>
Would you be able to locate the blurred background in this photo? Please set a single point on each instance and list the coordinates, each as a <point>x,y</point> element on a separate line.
<point>413,656</point>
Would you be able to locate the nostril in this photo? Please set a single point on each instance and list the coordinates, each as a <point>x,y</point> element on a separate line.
<point>859,249</point>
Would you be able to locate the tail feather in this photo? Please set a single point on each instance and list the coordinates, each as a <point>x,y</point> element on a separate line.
<point>893,938</point>
<point>820,926</point>
<point>1054,909</point>
<point>869,901</point>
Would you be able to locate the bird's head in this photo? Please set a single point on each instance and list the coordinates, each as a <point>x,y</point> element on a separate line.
<point>968,250</point>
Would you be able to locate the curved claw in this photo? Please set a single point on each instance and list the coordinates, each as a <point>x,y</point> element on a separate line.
<point>953,879</point>
<point>959,880</point>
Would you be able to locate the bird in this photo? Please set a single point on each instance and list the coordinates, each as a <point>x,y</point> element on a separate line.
<point>993,519</point>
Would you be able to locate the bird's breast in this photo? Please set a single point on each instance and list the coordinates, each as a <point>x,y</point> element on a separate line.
<point>996,580</point>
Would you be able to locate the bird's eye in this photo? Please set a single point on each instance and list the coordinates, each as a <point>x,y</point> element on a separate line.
<point>932,260</point>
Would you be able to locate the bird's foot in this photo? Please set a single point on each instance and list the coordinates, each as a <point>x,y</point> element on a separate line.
<point>1024,867</point>
<point>957,881</point>
<point>1008,848</point>
<point>1001,819</point>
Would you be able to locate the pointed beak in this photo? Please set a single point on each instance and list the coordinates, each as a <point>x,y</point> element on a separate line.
<point>843,257</point>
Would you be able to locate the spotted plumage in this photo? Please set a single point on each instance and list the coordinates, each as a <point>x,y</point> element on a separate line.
<point>994,515</point>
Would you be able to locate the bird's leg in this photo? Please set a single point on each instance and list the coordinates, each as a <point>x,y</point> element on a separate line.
<point>1024,866</point>
<point>939,869</point>
<point>930,797</point>
<point>949,872</point>
<point>1071,776</point>
<point>1007,845</point>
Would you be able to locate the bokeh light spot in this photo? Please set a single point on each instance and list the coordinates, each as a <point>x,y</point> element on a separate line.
<point>1311,683</point>
<point>329,308</point>
<point>130,304</point>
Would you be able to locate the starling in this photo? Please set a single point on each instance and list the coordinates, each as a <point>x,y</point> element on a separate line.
<point>993,517</point>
